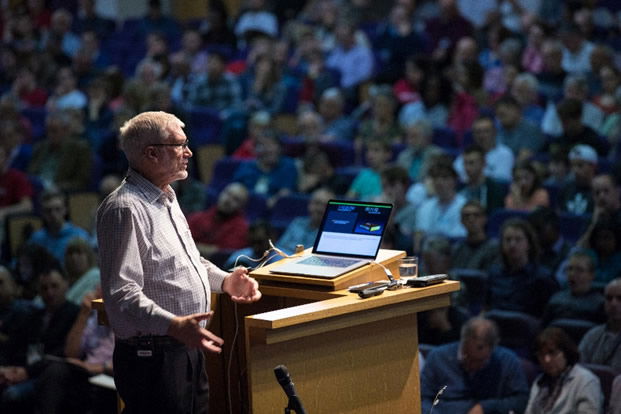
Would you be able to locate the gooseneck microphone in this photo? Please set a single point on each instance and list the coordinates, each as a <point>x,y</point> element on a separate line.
<point>282,375</point>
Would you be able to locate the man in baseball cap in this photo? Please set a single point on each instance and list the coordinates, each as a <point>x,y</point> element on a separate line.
<point>575,197</point>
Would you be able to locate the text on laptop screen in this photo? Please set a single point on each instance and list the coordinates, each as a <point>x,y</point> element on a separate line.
<point>352,228</point>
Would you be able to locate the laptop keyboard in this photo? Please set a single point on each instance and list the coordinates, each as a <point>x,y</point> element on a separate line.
<point>328,261</point>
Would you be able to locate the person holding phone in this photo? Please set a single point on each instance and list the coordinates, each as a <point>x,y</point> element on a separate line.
<point>156,286</point>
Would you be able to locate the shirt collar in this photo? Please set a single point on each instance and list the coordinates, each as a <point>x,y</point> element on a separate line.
<point>150,191</point>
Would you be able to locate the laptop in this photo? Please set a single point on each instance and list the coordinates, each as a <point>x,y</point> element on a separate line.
<point>349,237</point>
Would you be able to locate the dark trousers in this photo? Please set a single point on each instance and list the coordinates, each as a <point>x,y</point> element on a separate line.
<point>159,377</point>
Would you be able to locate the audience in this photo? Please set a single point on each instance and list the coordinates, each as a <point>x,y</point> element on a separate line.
<point>605,246</point>
<point>472,85</point>
<point>303,230</point>
<point>368,182</point>
<point>419,149</point>
<point>490,193</point>
<point>57,231</point>
<point>271,174</point>
<point>224,225</point>
<point>526,192</point>
<point>14,312</point>
<point>16,192</point>
<point>441,325</point>
<point>601,345</point>
<point>554,247</point>
<point>48,329</point>
<point>520,135</point>
<point>82,270</point>
<point>520,283</point>
<point>260,233</point>
<point>477,250</point>
<point>605,193</point>
<point>62,160</point>
<point>476,373</point>
<point>575,131</point>
<point>564,386</point>
<point>581,300</point>
<point>575,196</point>
<point>215,88</point>
<point>381,123</point>
<point>337,125</point>
<point>353,60</point>
<point>440,215</point>
<point>63,385</point>
<point>395,183</point>
<point>498,157</point>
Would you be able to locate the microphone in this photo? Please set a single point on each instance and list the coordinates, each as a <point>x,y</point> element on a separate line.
<point>282,375</point>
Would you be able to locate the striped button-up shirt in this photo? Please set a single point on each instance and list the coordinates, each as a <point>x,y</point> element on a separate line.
<point>151,270</point>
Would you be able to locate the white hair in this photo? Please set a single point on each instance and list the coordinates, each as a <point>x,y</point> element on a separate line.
<point>144,129</point>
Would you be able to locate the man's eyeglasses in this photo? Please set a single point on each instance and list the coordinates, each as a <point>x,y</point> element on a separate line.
<point>184,145</point>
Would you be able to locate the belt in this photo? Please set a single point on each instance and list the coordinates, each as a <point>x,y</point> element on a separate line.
<point>152,341</point>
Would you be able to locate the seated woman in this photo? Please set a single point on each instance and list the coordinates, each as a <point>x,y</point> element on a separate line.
<point>519,283</point>
<point>526,192</point>
<point>263,87</point>
<point>564,387</point>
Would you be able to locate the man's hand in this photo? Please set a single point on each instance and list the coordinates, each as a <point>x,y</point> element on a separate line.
<point>241,287</point>
<point>186,329</point>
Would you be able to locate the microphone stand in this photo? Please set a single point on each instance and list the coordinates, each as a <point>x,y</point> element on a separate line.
<point>293,406</point>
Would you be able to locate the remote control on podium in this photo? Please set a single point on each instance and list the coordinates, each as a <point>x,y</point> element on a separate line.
<point>429,280</point>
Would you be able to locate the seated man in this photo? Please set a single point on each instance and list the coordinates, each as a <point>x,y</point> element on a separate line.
<point>606,203</point>
<point>477,250</point>
<point>440,325</point>
<point>554,248</point>
<point>272,173</point>
<point>63,385</point>
<point>254,254</point>
<point>48,329</point>
<point>440,215</point>
<point>395,182</point>
<point>477,186</point>
<point>15,189</point>
<point>498,157</point>
<point>14,312</point>
<point>602,344</point>
<point>575,196</point>
<point>580,300</point>
<point>303,230</point>
<point>477,375</point>
<point>56,232</point>
<point>224,225</point>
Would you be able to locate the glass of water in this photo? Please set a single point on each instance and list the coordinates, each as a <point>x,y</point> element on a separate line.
<point>408,267</point>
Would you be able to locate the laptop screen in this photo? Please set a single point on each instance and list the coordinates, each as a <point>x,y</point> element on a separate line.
<point>352,228</point>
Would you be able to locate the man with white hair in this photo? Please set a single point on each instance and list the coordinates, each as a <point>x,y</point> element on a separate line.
<point>337,126</point>
<point>156,286</point>
<point>574,87</point>
<point>524,89</point>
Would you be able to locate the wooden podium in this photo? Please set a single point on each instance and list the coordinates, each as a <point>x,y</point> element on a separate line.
<point>345,354</point>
